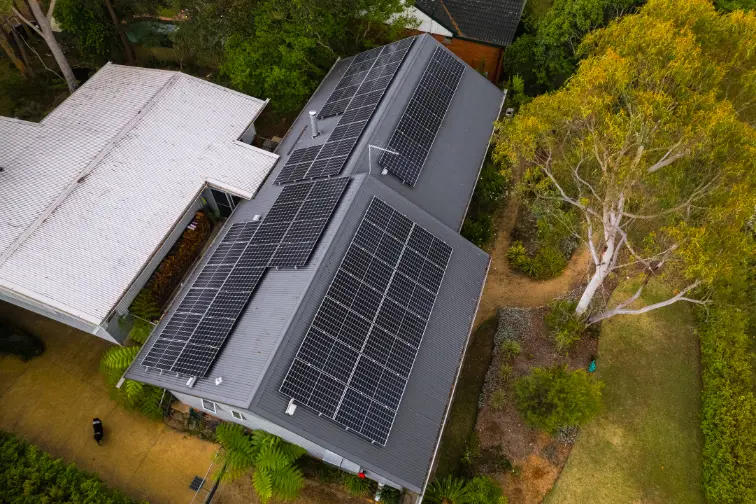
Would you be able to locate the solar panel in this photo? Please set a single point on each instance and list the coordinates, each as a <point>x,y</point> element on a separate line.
<point>418,126</point>
<point>356,96</point>
<point>191,339</point>
<point>356,358</point>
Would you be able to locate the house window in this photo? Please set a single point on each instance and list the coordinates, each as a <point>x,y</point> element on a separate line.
<point>237,415</point>
<point>208,406</point>
<point>226,203</point>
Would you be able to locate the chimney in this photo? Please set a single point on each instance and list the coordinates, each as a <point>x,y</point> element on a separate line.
<point>314,123</point>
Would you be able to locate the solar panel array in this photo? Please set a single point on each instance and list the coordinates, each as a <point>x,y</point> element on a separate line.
<point>417,129</point>
<point>195,333</point>
<point>356,96</point>
<point>354,362</point>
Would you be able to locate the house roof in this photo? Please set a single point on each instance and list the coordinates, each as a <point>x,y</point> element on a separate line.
<point>261,346</point>
<point>490,21</point>
<point>88,194</point>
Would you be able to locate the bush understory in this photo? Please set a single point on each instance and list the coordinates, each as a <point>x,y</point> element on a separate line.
<point>543,239</point>
<point>728,417</point>
<point>490,191</point>
<point>29,475</point>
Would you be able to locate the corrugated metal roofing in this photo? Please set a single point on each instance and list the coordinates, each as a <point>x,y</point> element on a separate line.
<point>261,346</point>
<point>491,21</point>
<point>108,173</point>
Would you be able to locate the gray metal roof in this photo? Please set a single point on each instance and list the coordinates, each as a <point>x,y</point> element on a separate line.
<point>490,21</point>
<point>261,347</point>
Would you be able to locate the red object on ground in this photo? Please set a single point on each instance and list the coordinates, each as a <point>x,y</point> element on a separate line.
<point>361,474</point>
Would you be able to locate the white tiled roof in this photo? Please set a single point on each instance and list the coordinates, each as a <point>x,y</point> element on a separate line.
<point>88,194</point>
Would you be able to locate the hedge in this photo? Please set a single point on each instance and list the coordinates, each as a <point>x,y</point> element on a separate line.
<point>728,417</point>
<point>31,476</point>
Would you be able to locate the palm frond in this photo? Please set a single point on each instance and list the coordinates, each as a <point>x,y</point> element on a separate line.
<point>287,482</point>
<point>449,490</point>
<point>132,392</point>
<point>114,362</point>
<point>150,402</point>
<point>140,331</point>
<point>238,455</point>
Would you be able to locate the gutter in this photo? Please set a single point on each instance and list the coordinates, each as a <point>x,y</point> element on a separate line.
<point>454,388</point>
<point>483,161</point>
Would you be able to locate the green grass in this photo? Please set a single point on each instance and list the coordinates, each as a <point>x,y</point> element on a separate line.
<point>645,446</point>
<point>464,409</point>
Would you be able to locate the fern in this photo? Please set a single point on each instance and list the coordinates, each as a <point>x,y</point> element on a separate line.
<point>263,484</point>
<point>151,401</point>
<point>287,482</point>
<point>140,331</point>
<point>238,455</point>
<point>449,490</point>
<point>145,306</point>
<point>132,392</point>
<point>354,485</point>
<point>114,362</point>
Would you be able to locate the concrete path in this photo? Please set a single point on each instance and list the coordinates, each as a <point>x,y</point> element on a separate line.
<point>51,400</point>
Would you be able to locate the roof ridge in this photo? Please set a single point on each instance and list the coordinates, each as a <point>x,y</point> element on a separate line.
<point>86,171</point>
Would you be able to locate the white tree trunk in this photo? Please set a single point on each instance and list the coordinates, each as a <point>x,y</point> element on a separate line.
<point>52,43</point>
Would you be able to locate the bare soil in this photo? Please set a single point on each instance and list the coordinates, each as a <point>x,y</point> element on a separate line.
<point>505,287</point>
<point>314,492</point>
<point>538,458</point>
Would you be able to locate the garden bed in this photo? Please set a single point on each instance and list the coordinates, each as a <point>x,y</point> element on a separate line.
<point>524,460</point>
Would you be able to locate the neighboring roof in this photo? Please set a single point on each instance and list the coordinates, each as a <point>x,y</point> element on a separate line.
<point>98,184</point>
<point>490,21</point>
<point>261,345</point>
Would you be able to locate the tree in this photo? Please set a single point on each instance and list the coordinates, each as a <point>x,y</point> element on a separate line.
<point>295,42</point>
<point>550,399</point>
<point>271,458</point>
<point>733,5</point>
<point>547,56</point>
<point>87,21</point>
<point>43,29</point>
<point>651,141</point>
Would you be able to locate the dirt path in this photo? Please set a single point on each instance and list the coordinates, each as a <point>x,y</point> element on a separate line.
<point>505,287</point>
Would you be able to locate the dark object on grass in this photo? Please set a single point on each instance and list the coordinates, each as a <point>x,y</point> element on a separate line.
<point>99,432</point>
<point>17,342</point>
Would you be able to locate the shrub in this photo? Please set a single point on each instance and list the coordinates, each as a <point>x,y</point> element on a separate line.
<point>28,475</point>
<point>505,372</point>
<point>490,190</point>
<point>479,230</point>
<point>566,327</point>
<point>359,487</point>
<point>552,398</point>
<point>547,262</point>
<point>132,394</point>
<point>728,418</point>
<point>498,400</point>
<point>510,349</point>
<point>390,495</point>
<point>479,490</point>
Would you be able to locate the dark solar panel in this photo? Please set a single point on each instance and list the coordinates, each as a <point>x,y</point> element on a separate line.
<point>191,339</point>
<point>356,358</point>
<point>417,129</point>
<point>355,96</point>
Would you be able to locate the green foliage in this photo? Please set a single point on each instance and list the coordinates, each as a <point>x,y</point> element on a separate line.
<point>272,459</point>
<point>728,417</point>
<point>140,331</point>
<point>390,495</point>
<point>490,190</point>
<point>28,475</point>
<point>294,43</point>
<point>566,327</point>
<point>733,5</point>
<point>510,348</point>
<point>145,306</point>
<point>132,394</point>
<point>546,56</point>
<point>505,372</point>
<point>478,490</point>
<point>552,398</point>
<point>547,263</point>
<point>354,485</point>
<point>498,400</point>
<point>449,490</point>
<point>89,22</point>
<point>516,96</point>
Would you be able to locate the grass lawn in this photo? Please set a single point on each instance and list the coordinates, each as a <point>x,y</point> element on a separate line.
<point>464,409</point>
<point>645,446</point>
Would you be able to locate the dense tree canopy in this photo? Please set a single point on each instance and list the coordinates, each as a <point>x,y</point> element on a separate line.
<point>652,141</point>
<point>546,55</point>
<point>295,42</point>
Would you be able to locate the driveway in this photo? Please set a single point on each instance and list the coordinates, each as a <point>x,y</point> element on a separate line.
<point>51,400</point>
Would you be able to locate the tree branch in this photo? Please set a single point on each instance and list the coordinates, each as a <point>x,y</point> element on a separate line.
<point>620,310</point>
<point>28,23</point>
<point>51,9</point>
<point>668,159</point>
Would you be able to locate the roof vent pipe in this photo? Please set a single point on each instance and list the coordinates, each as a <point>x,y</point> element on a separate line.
<point>314,123</point>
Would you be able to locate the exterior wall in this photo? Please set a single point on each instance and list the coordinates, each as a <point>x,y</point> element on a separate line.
<point>56,315</point>
<point>141,280</point>
<point>478,55</point>
<point>427,24</point>
<point>252,421</point>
